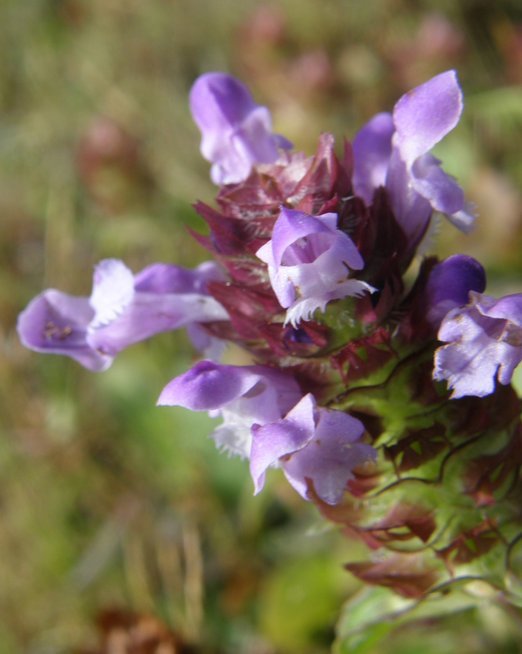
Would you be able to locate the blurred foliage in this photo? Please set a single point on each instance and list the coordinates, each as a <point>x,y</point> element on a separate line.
<point>108,502</point>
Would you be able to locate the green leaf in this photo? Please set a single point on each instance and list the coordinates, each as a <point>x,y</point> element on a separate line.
<point>371,615</point>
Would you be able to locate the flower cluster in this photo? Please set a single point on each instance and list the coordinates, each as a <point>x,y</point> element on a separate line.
<point>353,366</point>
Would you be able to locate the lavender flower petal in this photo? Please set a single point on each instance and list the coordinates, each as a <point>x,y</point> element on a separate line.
<point>161,298</point>
<point>484,345</point>
<point>207,386</point>
<point>112,292</point>
<point>150,314</point>
<point>313,445</point>
<point>372,147</point>
<point>275,440</point>
<point>56,323</point>
<point>166,278</point>
<point>394,152</point>
<point>423,116</point>
<point>122,310</point>
<point>309,262</point>
<point>241,395</point>
<point>430,181</point>
<point>236,132</point>
<point>507,308</point>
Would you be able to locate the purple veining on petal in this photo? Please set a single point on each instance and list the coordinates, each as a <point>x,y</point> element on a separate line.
<point>236,132</point>
<point>314,446</point>
<point>123,309</point>
<point>484,344</point>
<point>449,284</point>
<point>309,262</point>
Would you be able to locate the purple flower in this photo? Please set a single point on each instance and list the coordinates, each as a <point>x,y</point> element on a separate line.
<point>393,151</point>
<point>484,344</point>
<point>449,284</point>
<point>309,263</point>
<point>241,395</point>
<point>123,309</point>
<point>313,445</point>
<point>236,132</point>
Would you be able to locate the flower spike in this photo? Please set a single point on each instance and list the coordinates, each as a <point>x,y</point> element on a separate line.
<point>380,388</point>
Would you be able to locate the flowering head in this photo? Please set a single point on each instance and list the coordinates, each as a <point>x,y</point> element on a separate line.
<point>236,132</point>
<point>292,236</point>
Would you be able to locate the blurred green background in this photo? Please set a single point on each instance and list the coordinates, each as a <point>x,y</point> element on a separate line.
<point>105,500</point>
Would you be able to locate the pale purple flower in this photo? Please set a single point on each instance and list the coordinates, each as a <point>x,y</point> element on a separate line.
<point>449,284</point>
<point>236,132</point>
<point>393,150</point>
<point>123,309</point>
<point>314,446</point>
<point>240,395</point>
<point>484,344</point>
<point>309,263</point>
<point>56,323</point>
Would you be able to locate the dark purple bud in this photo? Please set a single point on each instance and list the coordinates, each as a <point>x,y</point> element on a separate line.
<point>449,284</point>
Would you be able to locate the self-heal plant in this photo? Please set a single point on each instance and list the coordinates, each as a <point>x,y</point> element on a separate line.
<point>379,389</point>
